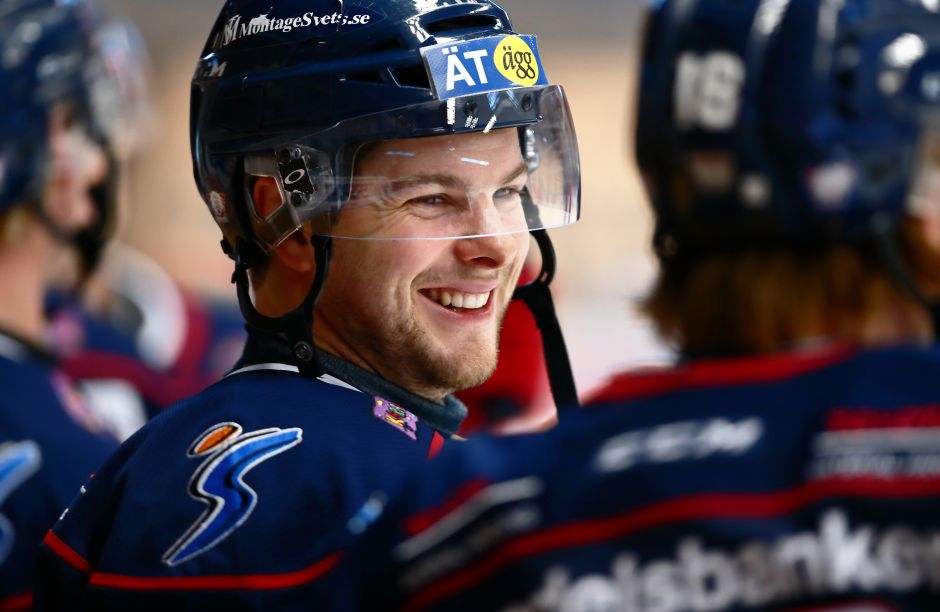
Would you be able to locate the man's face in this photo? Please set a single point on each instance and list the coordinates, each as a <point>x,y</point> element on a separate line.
<point>413,302</point>
<point>77,164</point>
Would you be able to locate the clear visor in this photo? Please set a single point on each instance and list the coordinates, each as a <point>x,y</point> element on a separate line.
<point>117,79</point>
<point>501,163</point>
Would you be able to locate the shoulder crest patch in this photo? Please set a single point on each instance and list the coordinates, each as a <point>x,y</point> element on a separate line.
<point>218,482</point>
<point>397,417</point>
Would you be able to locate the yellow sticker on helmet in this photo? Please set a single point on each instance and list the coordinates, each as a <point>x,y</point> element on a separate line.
<point>516,61</point>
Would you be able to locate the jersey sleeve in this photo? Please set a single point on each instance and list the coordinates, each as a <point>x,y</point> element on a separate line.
<point>247,508</point>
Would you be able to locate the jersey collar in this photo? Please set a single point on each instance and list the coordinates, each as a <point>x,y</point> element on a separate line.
<point>264,350</point>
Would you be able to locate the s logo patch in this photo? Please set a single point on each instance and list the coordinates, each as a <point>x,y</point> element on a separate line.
<point>18,461</point>
<point>219,483</point>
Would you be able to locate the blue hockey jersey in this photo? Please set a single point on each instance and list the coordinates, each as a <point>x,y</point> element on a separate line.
<point>804,482</point>
<point>49,445</point>
<point>243,496</point>
<point>133,363</point>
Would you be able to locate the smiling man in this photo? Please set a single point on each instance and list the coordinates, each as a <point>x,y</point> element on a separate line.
<point>428,310</point>
<point>376,180</point>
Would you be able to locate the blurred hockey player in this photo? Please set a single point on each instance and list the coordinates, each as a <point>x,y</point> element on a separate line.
<point>132,339</point>
<point>407,148</point>
<point>788,461</point>
<point>137,341</point>
<point>60,132</point>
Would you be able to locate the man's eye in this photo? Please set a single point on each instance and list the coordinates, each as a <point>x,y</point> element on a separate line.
<point>507,192</point>
<point>428,200</point>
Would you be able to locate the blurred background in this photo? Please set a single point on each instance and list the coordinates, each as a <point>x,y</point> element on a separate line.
<point>604,260</point>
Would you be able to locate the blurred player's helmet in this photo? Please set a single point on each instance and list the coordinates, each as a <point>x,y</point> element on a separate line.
<point>51,53</point>
<point>296,90</point>
<point>802,121</point>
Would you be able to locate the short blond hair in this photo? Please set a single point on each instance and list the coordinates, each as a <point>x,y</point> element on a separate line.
<point>762,300</point>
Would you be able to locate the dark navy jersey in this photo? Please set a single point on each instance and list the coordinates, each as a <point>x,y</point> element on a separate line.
<point>49,445</point>
<point>801,482</point>
<point>136,361</point>
<point>243,496</point>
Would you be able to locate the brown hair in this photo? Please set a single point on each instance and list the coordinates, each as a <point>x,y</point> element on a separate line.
<point>768,299</point>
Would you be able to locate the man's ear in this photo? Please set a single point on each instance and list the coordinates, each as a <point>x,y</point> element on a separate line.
<point>295,251</point>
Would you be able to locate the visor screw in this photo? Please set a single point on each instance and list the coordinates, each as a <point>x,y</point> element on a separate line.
<point>303,351</point>
<point>470,109</point>
<point>287,154</point>
<point>527,102</point>
<point>297,198</point>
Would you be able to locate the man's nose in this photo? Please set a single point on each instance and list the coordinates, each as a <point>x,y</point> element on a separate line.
<point>489,235</point>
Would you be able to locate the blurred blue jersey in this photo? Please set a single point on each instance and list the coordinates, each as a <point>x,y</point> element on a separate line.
<point>243,495</point>
<point>807,481</point>
<point>141,355</point>
<point>49,445</point>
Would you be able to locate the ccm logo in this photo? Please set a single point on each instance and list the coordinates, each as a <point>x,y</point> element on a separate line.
<point>679,441</point>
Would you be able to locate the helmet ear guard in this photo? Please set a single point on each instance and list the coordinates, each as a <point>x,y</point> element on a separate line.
<point>304,179</point>
<point>306,172</point>
<point>251,247</point>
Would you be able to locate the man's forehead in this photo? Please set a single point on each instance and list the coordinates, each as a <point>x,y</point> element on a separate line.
<point>475,148</point>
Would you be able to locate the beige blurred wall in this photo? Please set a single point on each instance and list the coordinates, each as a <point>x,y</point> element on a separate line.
<point>587,46</point>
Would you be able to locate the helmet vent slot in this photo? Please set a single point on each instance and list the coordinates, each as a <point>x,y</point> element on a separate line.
<point>367,76</point>
<point>465,22</point>
<point>412,76</point>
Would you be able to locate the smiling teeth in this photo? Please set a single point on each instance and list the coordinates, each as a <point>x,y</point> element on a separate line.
<point>456,299</point>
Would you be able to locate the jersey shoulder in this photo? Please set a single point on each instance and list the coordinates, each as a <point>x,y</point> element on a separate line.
<point>259,474</point>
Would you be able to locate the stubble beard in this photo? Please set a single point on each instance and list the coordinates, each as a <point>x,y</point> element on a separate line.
<point>419,363</point>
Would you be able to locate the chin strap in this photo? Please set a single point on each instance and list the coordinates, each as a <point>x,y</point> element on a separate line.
<point>538,298</point>
<point>91,241</point>
<point>296,325</point>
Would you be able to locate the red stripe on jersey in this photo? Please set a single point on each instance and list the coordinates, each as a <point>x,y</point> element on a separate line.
<point>67,553</point>
<point>17,603</point>
<point>740,506</point>
<point>716,373</point>
<point>868,605</point>
<point>246,582</point>
<point>437,444</point>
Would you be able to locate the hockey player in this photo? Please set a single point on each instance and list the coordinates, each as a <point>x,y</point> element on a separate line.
<point>60,112</point>
<point>407,148</point>
<point>789,460</point>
